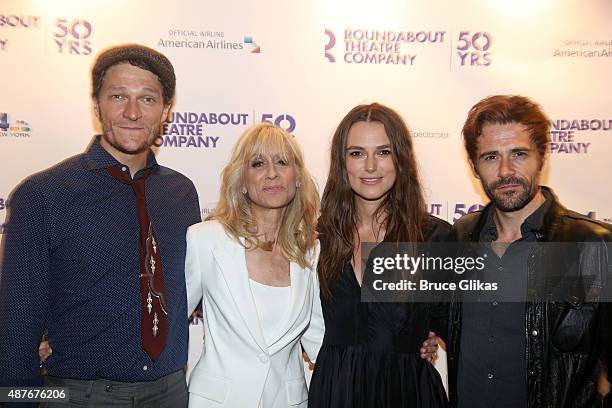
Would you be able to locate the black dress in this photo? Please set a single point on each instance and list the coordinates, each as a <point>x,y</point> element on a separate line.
<point>370,353</point>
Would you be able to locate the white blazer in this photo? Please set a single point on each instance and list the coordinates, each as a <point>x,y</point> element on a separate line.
<point>236,361</point>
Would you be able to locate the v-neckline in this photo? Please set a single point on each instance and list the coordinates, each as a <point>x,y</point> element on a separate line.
<point>352,273</point>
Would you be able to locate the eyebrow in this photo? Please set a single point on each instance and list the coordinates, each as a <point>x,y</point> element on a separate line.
<point>146,89</point>
<point>514,150</point>
<point>264,156</point>
<point>387,146</point>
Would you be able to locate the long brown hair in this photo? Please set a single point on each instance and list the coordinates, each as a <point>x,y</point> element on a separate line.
<point>402,211</point>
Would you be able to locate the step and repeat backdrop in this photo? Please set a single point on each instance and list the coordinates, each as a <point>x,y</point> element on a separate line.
<point>302,65</point>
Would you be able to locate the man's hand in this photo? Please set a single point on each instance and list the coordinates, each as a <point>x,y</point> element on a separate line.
<point>307,360</point>
<point>429,349</point>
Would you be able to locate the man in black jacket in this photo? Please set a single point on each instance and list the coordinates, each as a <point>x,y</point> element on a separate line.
<point>543,338</point>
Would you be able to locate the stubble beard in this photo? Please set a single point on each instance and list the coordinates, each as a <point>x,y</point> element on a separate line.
<point>513,200</point>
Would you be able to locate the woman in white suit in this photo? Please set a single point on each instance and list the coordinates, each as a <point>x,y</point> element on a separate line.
<point>252,265</point>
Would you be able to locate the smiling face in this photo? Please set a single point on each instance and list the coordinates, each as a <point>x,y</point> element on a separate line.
<point>508,165</point>
<point>270,180</point>
<point>369,161</point>
<point>130,108</point>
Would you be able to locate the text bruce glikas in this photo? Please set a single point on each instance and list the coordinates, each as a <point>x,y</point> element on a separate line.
<point>410,264</point>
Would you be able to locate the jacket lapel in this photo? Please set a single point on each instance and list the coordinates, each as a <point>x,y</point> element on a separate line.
<point>300,292</point>
<point>231,260</point>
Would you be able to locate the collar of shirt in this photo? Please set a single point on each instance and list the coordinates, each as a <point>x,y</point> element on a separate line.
<point>96,157</point>
<point>532,224</point>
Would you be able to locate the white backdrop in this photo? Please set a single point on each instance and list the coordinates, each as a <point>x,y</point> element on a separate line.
<point>241,62</point>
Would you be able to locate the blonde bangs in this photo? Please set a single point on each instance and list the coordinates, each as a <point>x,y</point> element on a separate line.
<point>268,140</point>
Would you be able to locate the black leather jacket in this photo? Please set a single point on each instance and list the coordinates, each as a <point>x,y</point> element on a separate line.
<point>566,342</point>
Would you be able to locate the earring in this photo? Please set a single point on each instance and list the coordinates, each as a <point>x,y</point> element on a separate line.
<point>298,184</point>
<point>244,190</point>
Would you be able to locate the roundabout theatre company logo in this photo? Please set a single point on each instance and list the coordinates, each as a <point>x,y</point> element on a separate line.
<point>16,22</point>
<point>378,46</point>
<point>388,47</point>
<point>574,136</point>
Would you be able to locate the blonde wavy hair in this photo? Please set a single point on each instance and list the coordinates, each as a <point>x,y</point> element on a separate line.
<point>297,231</point>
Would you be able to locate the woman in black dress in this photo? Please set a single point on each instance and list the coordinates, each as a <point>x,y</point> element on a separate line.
<point>370,353</point>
